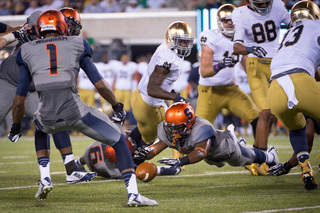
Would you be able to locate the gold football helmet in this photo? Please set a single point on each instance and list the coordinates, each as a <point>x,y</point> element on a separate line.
<point>258,6</point>
<point>304,10</point>
<point>179,38</point>
<point>224,13</point>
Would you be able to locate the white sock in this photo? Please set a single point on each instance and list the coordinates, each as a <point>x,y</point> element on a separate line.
<point>44,171</point>
<point>131,184</point>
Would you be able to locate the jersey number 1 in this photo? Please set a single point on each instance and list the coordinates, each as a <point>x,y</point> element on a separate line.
<point>53,58</point>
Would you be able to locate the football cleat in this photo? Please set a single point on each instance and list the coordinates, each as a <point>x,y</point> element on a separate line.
<point>252,168</point>
<point>166,170</point>
<point>273,150</point>
<point>45,187</point>
<point>242,142</point>
<point>308,176</point>
<point>80,176</point>
<point>262,169</point>
<point>135,200</point>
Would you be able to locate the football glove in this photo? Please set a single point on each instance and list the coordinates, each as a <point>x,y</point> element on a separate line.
<point>21,36</point>
<point>142,152</point>
<point>179,98</point>
<point>15,133</point>
<point>225,62</point>
<point>280,169</point>
<point>257,51</point>
<point>174,163</point>
<point>119,115</point>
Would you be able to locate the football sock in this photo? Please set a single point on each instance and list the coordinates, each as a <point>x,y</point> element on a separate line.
<point>125,165</point>
<point>299,141</point>
<point>69,162</point>
<point>41,140</point>
<point>254,126</point>
<point>260,156</point>
<point>44,166</point>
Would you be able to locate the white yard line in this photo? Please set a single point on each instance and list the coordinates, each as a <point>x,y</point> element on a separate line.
<point>289,209</point>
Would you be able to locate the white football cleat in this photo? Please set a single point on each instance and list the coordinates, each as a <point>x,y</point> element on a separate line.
<point>45,187</point>
<point>80,176</point>
<point>273,150</point>
<point>135,200</point>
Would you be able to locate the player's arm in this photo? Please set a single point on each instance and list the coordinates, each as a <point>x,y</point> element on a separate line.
<point>148,152</point>
<point>154,86</point>
<point>206,61</point>
<point>199,153</point>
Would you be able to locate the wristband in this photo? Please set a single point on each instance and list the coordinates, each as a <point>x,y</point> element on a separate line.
<point>217,67</point>
<point>9,38</point>
<point>16,128</point>
<point>249,50</point>
<point>184,160</point>
<point>287,166</point>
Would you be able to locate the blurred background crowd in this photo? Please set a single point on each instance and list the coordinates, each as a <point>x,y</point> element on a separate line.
<point>26,7</point>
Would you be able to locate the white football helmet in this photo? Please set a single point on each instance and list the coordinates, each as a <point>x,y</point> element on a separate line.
<point>256,5</point>
<point>304,10</point>
<point>179,38</point>
<point>224,13</point>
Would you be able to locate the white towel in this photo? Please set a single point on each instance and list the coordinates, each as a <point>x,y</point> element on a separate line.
<point>287,85</point>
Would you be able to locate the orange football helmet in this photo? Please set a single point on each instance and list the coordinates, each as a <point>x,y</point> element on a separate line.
<point>73,20</point>
<point>111,153</point>
<point>52,20</point>
<point>179,120</point>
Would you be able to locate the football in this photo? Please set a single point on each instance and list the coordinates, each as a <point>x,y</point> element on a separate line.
<point>146,171</point>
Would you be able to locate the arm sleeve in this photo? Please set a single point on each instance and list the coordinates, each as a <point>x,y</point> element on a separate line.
<point>3,27</point>
<point>24,77</point>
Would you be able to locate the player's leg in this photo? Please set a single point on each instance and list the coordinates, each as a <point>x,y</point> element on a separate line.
<point>98,126</point>
<point>73,173</point>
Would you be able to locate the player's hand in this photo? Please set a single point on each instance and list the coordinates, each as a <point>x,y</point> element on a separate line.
<point>15,133</point>
<point>21,36</point>
<point>142,152</point>
<point>174,163</point>
<point>279,169</point>
<point>119,115</point>
<point>226,62</point>
<point>257,51</point>
<point>179,98</point>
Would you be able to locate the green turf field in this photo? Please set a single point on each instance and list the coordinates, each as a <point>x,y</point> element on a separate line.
<point>199,188</point>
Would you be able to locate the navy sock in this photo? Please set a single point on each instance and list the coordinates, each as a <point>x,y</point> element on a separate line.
<point>61,139</point>
<point>298,141</point>
<point>260,156</point>
<point>123,155</point>
<point>254,126</point>
<point>41,140</point>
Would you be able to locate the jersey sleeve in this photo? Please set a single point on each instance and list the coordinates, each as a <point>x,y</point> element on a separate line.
<point>87,49</point>
<point>208,39</point>
<point>24,76</point>
<point>3,27</point>
<point>239,29</point>
<point>285,14</point>
<point>203,133</point>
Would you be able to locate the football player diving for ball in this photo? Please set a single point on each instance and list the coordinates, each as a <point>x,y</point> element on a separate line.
<point>199,140</point>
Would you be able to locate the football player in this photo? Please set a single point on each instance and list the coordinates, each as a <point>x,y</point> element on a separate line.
<point>294,90</point>
<point>56,60</point>
<point>9,75</point>
<point>257,31</point>
<point>217,67</point>
<point>199,140</point>
<point>155,86</point>
<point>101,158</point>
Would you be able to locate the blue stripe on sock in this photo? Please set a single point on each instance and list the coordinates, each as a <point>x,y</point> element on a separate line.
<point>43,161</point>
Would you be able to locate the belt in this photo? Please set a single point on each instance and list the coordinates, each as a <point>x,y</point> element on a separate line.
<point>222,87</point>
<point>265,60</point>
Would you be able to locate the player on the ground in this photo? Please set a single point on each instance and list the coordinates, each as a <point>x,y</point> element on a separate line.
<point>148,100</point>
<point>53,64</point>
<point>257,30</point>
<point>196,137</point>
<point>216,85</point>
<point>294,90</point>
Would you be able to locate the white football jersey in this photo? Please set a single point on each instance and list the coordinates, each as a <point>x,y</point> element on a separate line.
<point>107,70</point>
<point>124,73</point>
<point>253,29</point>
<point>84,82</point>
<point>163,56</point>
<point>182,82</point>
<point>142,67</point>
<point>222,47</point>
<point>299,49</point>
